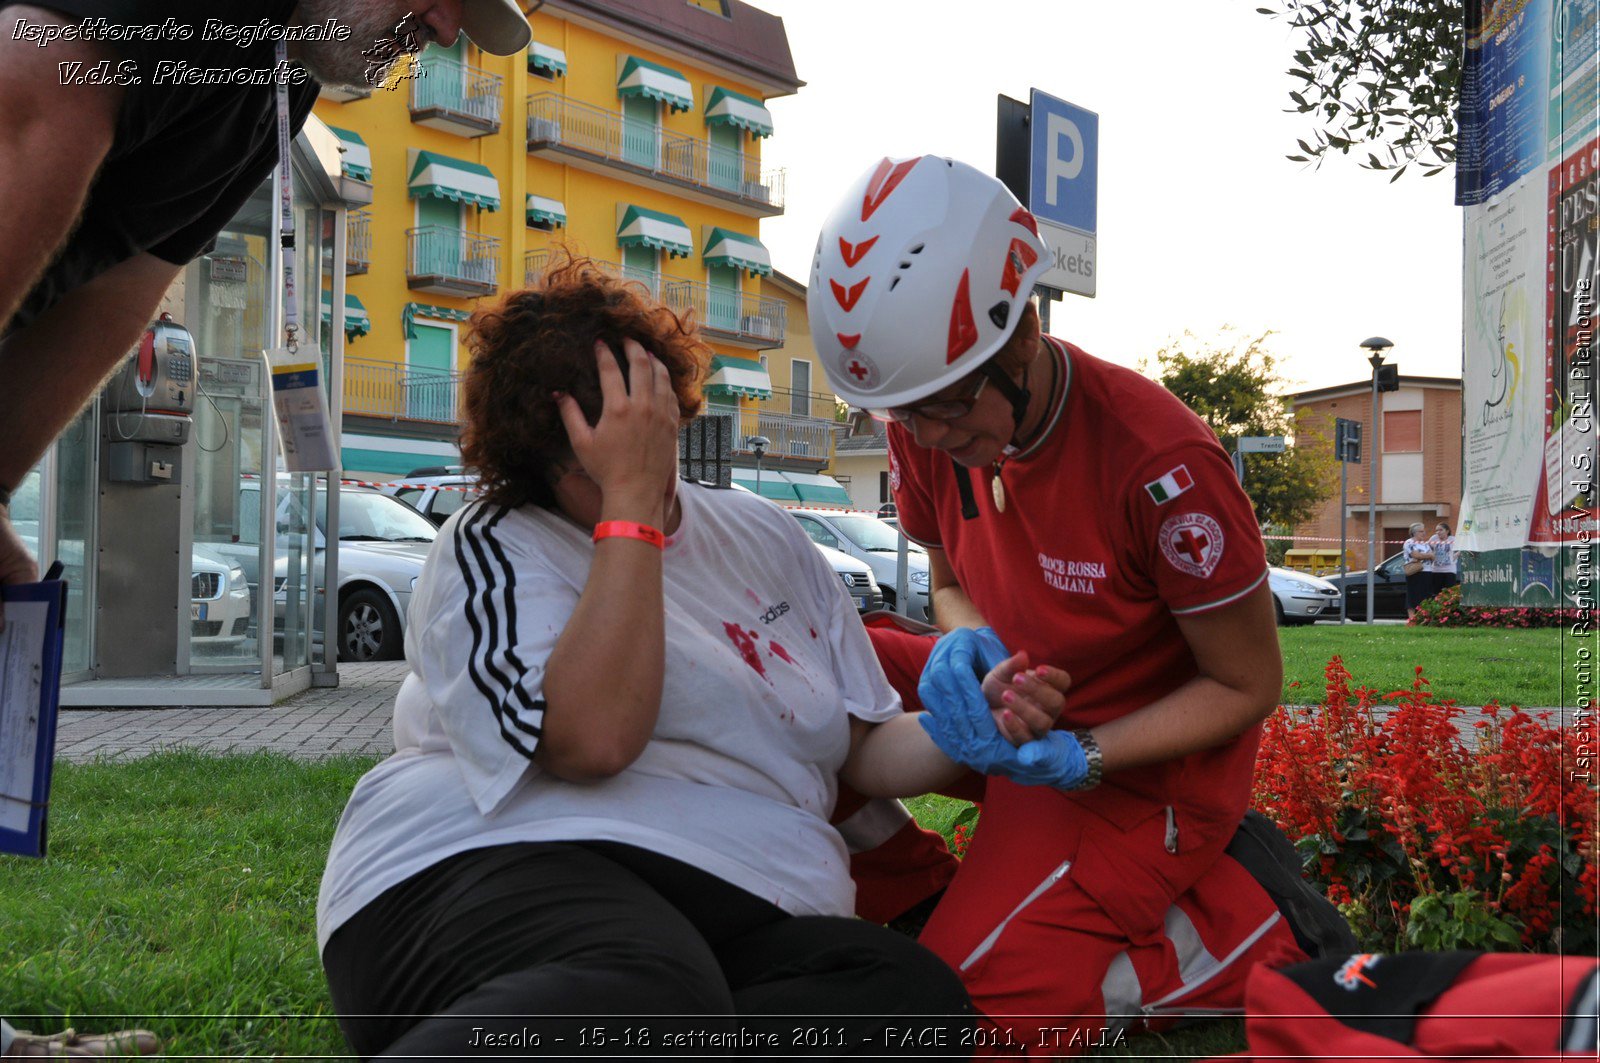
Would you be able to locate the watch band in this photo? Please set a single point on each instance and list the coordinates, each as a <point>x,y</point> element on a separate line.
<point>1091,753</point>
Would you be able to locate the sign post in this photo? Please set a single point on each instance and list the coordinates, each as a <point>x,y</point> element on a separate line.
<point>1347,444</point>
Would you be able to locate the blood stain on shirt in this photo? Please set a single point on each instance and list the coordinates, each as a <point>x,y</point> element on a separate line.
<point>745,642</point>
<point>813,632</point>
<point>779,651</point>
<point>748,593</point>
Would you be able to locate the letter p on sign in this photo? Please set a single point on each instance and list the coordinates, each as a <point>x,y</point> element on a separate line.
<point>1063,162</point>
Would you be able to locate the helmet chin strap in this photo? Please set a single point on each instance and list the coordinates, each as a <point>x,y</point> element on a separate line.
<point>1019,396</point>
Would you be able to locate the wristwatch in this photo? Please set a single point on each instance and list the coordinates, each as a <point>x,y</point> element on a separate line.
<point>1091,753</point>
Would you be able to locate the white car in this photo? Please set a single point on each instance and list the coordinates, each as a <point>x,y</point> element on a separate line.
<point>382,546</point>
<point>872,540</point>
<point>1300,598</point>
<point>219,601</point>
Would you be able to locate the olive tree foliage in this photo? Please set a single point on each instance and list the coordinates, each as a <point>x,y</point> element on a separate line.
<point>1377,76</point>
<point>1233,384</point>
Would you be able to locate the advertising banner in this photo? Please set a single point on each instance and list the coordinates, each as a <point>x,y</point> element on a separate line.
<point>1504,77</point>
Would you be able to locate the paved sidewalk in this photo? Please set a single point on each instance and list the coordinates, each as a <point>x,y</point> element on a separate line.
<point>353,717</point>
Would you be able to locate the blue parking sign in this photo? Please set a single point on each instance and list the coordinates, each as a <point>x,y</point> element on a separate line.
<point>1064,162</point>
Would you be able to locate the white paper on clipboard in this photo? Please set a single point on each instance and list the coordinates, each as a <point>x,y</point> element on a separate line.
<point>22,646</point>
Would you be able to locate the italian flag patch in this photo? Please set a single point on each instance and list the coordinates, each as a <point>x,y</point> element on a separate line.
<point>1170,486</point>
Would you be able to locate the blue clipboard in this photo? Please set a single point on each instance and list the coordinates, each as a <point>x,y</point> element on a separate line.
<point>32,840</point>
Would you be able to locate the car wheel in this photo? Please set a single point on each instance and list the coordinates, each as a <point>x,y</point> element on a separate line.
<point>888,596</point>
<point>369,628</point>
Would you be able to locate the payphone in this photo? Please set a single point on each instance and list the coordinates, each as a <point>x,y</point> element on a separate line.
<point>147,406</point>
<point>144,559</point>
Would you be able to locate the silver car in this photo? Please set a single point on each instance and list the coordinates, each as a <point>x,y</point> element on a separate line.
<point>1299,598</point>
<point>870,540</point>
<point>382,546</point>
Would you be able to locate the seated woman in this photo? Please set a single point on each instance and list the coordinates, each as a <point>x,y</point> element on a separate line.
<point>617,747</point>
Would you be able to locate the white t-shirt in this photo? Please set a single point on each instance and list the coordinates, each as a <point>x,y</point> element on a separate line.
<point>765,660</point>
<point>1444,555</point>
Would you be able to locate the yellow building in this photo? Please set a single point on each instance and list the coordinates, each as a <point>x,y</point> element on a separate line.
<point>630,132</point>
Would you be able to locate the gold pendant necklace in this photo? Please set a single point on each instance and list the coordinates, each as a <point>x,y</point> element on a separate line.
<point>998,489</point>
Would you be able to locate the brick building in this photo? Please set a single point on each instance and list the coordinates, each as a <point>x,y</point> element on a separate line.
<point>1419,466</point>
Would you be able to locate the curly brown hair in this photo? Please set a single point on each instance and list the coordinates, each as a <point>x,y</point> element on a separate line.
<point>541,340</point>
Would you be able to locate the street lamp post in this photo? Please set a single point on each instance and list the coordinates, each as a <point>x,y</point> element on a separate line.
<point>758,445</point>
<point>1377,345</point>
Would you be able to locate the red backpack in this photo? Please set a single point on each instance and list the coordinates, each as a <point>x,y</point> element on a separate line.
<point>1465,1006</point>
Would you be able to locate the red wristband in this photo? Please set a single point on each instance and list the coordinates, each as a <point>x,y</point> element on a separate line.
<point>627,529</point>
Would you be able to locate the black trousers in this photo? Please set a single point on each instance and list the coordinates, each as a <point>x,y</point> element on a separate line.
<point>530,949</point>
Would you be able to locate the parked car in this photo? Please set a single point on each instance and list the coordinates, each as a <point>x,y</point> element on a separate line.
<point>382,545</point>
<point>876,542</point>
<point>219,606</point>
<point>1389,590</point>
<point>1300,598</point>
<point>858,579</point>
<point>434,492</point>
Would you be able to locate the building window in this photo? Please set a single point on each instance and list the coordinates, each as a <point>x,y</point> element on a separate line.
<point>1402,431</point>
<point>800,388</point>
<point>715,7</point>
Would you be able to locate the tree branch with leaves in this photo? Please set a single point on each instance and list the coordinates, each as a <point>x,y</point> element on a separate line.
<point>1382,76</point>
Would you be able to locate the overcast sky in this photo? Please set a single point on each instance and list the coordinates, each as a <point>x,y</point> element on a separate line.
<point>1202,221</point>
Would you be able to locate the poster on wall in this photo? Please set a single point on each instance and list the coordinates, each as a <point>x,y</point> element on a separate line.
<point>1572,114</point>
<point>1503,383</point>
<point>1564,506</point>
<point>1504,78</point>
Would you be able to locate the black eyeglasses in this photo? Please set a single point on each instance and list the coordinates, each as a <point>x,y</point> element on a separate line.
<point>946,409</point>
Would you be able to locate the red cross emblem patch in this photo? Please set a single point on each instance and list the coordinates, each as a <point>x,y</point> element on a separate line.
<point>1192,543</point>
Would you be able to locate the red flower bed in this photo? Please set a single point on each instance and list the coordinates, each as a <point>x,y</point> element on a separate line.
<point>1430,837</point>
<point>1445,610</point>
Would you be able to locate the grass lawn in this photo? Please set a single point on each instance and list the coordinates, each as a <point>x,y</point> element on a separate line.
<point>180,894</point>
<point>1471,665</point>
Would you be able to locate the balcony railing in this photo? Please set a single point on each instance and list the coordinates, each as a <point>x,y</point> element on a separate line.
<point>456,97</point>
<point>738,315</point>
<point>804,403</point>
<point>556,122</point>
<point>358,241</point>
<point>807,438</point>
<point>534,263</point>
<point>400,392</point>
<point>451,261</point>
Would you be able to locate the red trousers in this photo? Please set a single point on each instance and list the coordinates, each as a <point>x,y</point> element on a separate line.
<point>1067,928</point>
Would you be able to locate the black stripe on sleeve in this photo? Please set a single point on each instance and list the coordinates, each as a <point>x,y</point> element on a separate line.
<point>486,632</point>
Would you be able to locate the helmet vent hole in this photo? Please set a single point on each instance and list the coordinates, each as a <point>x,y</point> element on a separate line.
<point>905,265</point>
<point>1000,313</point>
<point>917,250</point>
<point>893,281</point>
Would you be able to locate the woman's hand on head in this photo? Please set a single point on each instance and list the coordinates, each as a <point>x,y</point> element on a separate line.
<point>632,450</point>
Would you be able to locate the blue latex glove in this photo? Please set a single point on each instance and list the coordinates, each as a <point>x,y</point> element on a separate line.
<point>967,735</point>
<point>955,670</point>
<point>1057,760</point>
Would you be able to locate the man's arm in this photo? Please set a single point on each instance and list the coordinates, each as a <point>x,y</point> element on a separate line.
<point>53,138</point>
<point>1240,680</point>
<point>54,366</point>
<point>951,606</point>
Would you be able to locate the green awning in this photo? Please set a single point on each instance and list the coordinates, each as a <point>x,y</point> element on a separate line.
<point>814,487</point>
<point>727,248</point>
<point>738,376</point>
<point>355,158</point>
<point>458,180</point>
<point>641,77</point>
<point>545,211</point>
<point>773,485</point>
<point>726,107</point>
<point>547,59</point>
<point>651,228</point>
<point>356,320</point>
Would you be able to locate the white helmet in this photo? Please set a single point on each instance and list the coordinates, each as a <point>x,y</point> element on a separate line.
<point>919,278</point>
